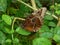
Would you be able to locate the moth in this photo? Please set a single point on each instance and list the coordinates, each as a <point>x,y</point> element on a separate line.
<point>34,21</point>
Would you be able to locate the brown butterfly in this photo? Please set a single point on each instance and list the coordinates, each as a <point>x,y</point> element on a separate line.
<point>34,21</point>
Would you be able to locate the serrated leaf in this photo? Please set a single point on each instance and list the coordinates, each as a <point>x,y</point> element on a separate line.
<point>48,17</point>
<point>2,38</point>
<point>41,41</point>
<point>7,19</point>
<point>3,5</point>
<point>22,31</point>
<point>46,35</point>
<point>52,24</point>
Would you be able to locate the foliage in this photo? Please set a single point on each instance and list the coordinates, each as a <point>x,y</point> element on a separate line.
<point>21,31</point>
<point>41,41</point>
<point>11,32</point>
<point>56,7</point>
<point>3,5</point>
<point>7,19</point>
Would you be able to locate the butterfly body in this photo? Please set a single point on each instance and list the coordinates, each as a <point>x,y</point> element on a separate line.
<point>33,22</point>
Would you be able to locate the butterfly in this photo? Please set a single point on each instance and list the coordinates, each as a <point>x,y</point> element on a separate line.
<point>34,21</point>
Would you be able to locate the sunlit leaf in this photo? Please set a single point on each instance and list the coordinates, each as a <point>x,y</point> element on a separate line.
<point>41,41</point>
<point>8,41</point>
<point>7,30</point>
<point>56,38</point>
<point>7,19</point>
<point>57,12</point>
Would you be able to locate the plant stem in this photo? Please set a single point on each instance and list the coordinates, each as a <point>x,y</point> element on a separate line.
<point>33,4</point>
<point>19,18</point>
<point>58,24</point>
<point>13,24</point>
<point>27,5</point>
<point>13,28</point>
<point>15,20</point>
<point>53,16</point>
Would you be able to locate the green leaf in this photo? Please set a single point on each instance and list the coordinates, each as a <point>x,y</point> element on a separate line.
<point>48,17</point>
<point>57,30</point>
<point>7,30</point>
<point>38,3</point>
<point>7,19</point>
<point>46,22</point>
<point>44,28</point>
<point>56,38</point>
<point>23,11</point>
<point>1,25</point>
<point>52,24</point>
<point>3,5</point>
<point>57,34</point>
<point>46,35</point>
<point>41,41</point>
<point>57,12</point>
<point>52,7</point>
<point>8,41</point>
<point>12,31</point>
<point>22,31</point>
<point>15,40</point>
<point>12,10</point>
<point>2,38</point>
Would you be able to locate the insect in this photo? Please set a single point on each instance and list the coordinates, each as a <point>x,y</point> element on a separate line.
<point>34,21</point>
